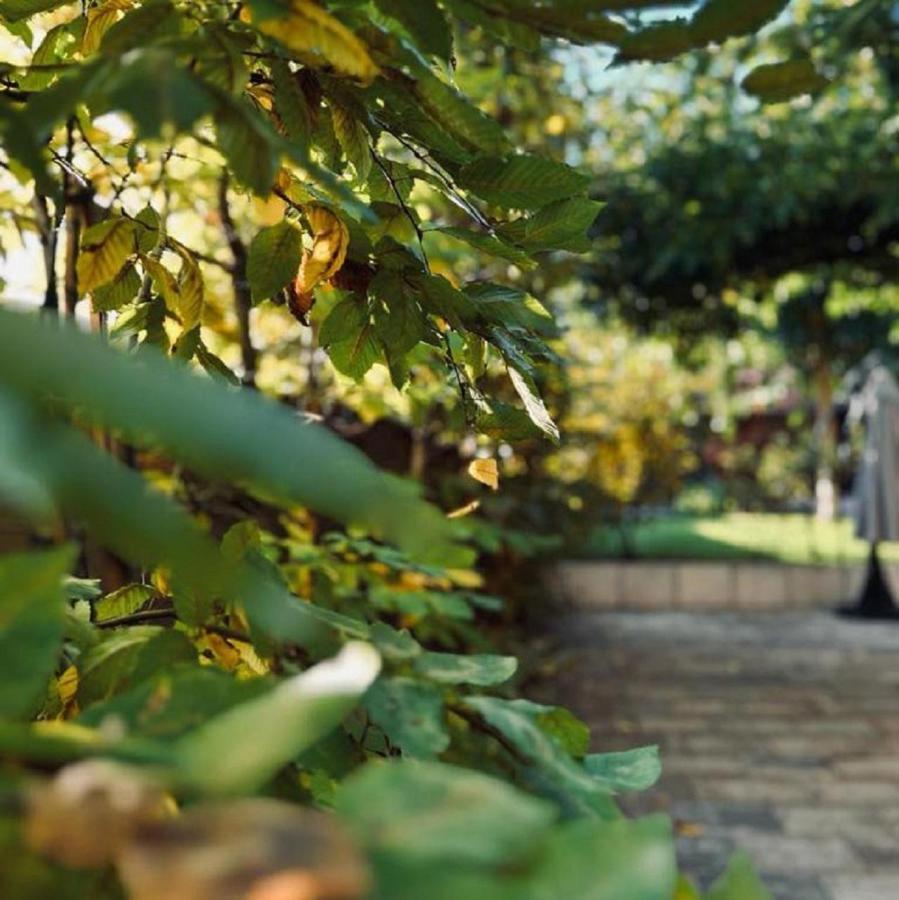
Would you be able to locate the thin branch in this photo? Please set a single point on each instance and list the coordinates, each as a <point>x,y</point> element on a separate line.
<point>481,724</point>
<point>448,348</point>
<point>243,300</point>
<point>452,191</point>
<point>138,618</point>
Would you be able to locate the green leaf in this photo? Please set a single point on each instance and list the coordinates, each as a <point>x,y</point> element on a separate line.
<point>562,225</point>
<point>403,114</point>
<point>52,50</point>
<point>533,403</point>
<point>521,182</point>
<point>241,749</point>
<point>549,766</point>
<point>349,336</point>
<point>428,811</point>
<point>14,10</point>
<point>778,82</point>
<point>718,20</point>
<point>21,142</point>
<point>739,882</point>
<point>151,22</point>
<point>560,724</point>
<point>503,421</point>
<point>193,419</point>
<point>491,244</point>
<point>410,713</point>
<point>273,259</point>
<point>399,321</point>
<point>481,669</point>
<point>291,106</point>
<point>507,31</point>
<point>127,656</point>
<point>156,90</point>
<point>119,292</point>
<point>440,298</point>
<point>630,770</point>
<point>353,138</point>
<point>425,22</point>
<point>31,625</point>
<point>148,228</point>
<point>508,306</point>
<point>21,487</point>
<point>248,143</point>
<point>625,860</point>
<point>122,602</point>
<point>175,700</point>
<point>220,61</point>
<point>658,42</point>
<point>458,116</point>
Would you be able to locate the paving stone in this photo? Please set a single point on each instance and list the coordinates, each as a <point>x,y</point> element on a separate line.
<point>877,886</point>
<point>779,735</point>
<point>786,887</point>
<point>869,767</point>
<point>793,855</point>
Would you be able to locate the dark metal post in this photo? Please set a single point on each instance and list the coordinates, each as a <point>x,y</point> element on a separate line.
<point>876,599</point>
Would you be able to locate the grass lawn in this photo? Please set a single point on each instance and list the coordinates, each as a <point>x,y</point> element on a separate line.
<point>789,538</point>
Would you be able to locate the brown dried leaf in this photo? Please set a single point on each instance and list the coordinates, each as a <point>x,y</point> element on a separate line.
<point>86,814</point>
<point>330,239</point>
<point>253,849</point>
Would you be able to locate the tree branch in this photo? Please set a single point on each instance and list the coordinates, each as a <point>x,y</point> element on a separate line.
<point>243,301</point>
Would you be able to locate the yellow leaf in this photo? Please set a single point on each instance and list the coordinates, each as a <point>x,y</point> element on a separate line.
<point>224,653</point>
<point>99,20</point>
<point>308,30</point>
<point>330,240</point>
<point>463,511</point>
<point>190,290</point>
<point>486,471</point>
<point>163,280</point>
<point>67,685</point>
<point>466,578</point>
<point>104,249</point>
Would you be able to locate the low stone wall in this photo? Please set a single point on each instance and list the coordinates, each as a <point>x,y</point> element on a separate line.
<point>645,584</point>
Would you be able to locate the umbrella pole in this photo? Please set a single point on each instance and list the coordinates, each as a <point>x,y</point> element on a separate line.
<point>876,599</point>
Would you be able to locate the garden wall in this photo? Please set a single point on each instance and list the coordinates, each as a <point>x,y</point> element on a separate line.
<point>594,584</point>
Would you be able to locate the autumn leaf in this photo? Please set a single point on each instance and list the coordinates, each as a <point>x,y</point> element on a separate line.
<point>258,848</point>
<point>486,471</point>
<point>330,240</point>
<point>99,20</point>
<point>88,812</point>
<point>67,685</point>
<point>463,511</point>
<point>308,30</point>
<point>104,249</point>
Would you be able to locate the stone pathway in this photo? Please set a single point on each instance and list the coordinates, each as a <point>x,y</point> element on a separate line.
<point>779,735</point>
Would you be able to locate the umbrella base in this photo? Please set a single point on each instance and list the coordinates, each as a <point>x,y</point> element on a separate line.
<point>868,613</point>
<point>876,600</point>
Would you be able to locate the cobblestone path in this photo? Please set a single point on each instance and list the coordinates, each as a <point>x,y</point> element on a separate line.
<point>779,735</point>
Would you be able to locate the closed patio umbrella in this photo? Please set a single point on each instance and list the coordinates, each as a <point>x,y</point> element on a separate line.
<point>877,489</point>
